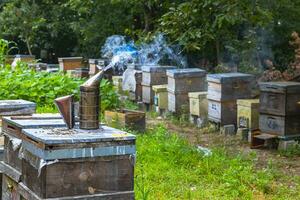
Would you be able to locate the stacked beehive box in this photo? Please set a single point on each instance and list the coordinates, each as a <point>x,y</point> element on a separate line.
<point>93,65</point>
<point>160,98</point>
<point>280,109</point>
<point>12,164</point>
<point>70,63</point>
<point>198,108</point>
<point>180,83</point>
<point>223,92</point>
<point>153,75</point>
<point>68,164</point>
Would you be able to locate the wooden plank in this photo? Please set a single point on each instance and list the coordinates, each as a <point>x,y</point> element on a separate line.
<point>10,171</point>
<point>80,177</point>
<point>29,195</point>
<point>9,189</point>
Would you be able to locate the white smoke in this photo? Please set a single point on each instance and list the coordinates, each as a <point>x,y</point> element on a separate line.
<point>157,52</point>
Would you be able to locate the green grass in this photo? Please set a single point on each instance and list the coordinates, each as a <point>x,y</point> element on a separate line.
<point>169,168</point>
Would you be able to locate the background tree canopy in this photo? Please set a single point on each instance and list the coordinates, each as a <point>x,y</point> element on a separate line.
<point>241,33</point>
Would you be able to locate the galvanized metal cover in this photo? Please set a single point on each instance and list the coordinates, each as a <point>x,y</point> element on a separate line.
<point>219,78</point>
<point>290,87</point>
<point>52,136</point>
<point>19,103</point>
<point>189,72</point>
<point>156,68</point>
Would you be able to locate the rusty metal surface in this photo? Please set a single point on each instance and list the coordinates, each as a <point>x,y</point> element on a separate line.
<point>65,106</point>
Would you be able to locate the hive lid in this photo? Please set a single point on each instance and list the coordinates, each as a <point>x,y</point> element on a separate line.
<point>279,87</point>
<point>19,103</point>
<point>70,58</point>
<point>219,78</point>
<point>24,56</point>
<point>197,95</point>
<point>160,88</point>
<point>248,102</point>
<point>156,68</point>
<point>188,72</point>
<point>52,136</point>
<point>34,122</point>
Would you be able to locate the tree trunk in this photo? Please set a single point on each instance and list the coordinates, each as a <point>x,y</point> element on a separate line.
<point>28,46</point>
<point>218,51</point>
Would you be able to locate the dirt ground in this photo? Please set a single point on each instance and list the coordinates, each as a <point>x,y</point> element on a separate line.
<point>233,144</point>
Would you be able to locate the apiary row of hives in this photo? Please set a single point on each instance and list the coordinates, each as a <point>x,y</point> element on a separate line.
<point>226,99</point>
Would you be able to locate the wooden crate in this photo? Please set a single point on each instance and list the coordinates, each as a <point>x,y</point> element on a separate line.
<point>78,162</point>
<point>70,63</point>
<point>160,96</point>
<point>280,98</point>
<point>230,86</point>
<point>279,125</point>
<point>198,104</point>
<point>248,113</point>
<point>132,119</point>
<point>222,112</point>
<point>178,102</point>
<point>186,80</point>
<point>155,74</point>
<point>12,130</point>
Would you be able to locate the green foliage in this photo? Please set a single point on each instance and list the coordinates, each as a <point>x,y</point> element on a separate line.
<point>169,168</point>
<point>39,87</point>
<point>109,96</point>
<point>5,48</point>
<point>43,87</point>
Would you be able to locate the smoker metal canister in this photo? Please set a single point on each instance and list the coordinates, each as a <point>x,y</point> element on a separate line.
<point>89,108</point>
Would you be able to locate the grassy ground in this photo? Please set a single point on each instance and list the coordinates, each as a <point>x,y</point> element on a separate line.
<point>169,167</point>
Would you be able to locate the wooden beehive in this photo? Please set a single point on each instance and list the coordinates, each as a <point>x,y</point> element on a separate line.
<point>16,107</point>
<point>22,58</point>
<point>178,102</point>
<point>230,86</point>
<point>186,80</point>
<point>131,119</point>
<point>248,113</point>
<point>70,63</point>
<point>12,130</point>
<point>180,83</point>
<point>78,163</point>
<point>280,108</point>
<point>153,75</point>
<point>161,96</point>
<point>198,104</point>
<point>280,98</point>
<point>222,112</point>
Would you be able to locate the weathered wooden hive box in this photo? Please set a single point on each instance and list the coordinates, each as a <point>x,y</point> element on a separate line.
<point>79,73</point>
<point>198,104</point>
<point>131,119</point>
<point>16,107</point>
<point>85,164</point>
<point>12,131</point>
<point>160,96</point>
<point>223,92</point>
<point>280,108</point>
<point>153,75</point>
<point>248,114</point>
<point>180,83</point>
<point>70,63</point>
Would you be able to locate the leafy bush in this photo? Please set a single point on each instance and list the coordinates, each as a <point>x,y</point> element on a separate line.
<point>4,50</point>
<point>43,87</point>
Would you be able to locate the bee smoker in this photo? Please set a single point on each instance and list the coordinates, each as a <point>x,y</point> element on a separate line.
<point>89,104</point>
